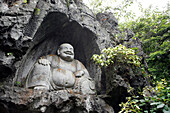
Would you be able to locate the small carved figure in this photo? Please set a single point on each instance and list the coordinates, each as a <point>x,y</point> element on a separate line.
<point>61,72</point>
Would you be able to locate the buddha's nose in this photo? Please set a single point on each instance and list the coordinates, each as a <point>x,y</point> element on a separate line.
<point>69,50</point>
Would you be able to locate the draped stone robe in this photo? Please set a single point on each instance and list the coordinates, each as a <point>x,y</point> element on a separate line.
<point>60,74</point>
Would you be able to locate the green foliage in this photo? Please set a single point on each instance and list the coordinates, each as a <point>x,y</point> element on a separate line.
<point>25,1</point>
<point>18,83</point>
<point>37,11</point>
<point>96,6</point>
<point>119,54</point>
<point>9,54</point>
<point>121,10</point>
<point>151,100</point>
<point>153,28</point>
<point>117,7</point>
<point>68,3</point>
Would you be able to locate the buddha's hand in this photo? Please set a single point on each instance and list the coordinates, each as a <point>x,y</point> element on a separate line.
<point>44,62</point>
<point>79,73</point>
<point>40,88</point>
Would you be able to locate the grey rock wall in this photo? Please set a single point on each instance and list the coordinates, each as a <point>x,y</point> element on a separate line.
<point>37,28</point>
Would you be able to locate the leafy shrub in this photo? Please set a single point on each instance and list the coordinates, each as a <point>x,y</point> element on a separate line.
<point>152,100</point>
<point>153,28</point>
<point>119,54</point>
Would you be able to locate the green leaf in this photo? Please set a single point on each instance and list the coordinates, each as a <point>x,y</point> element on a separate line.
<point>18,82</point>
<point>146,111</point>
<point>160,105</point>
<point>166,111</point>
<point>142,104</point>
<point>155,103</point>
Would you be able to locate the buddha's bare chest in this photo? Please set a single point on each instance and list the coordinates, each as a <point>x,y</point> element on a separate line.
<point>63,74</point>
<point>71,66</point>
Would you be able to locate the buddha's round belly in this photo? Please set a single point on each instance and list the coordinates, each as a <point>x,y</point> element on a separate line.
<point>63,78</point>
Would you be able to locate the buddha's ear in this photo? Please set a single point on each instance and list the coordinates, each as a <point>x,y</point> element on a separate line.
<point>58,52</point>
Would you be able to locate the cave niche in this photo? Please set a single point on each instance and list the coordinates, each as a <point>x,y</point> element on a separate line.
<point>56,29</point>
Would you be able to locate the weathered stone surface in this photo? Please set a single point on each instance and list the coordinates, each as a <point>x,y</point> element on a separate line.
<point>28,31</point>
<point>60,101</point>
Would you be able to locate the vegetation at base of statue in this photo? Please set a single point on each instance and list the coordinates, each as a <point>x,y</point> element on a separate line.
<point>153,29</point>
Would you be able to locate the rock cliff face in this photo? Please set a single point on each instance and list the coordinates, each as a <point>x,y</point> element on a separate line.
<point>37,28</point>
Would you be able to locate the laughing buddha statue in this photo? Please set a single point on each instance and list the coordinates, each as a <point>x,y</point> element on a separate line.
<point>61,72</point>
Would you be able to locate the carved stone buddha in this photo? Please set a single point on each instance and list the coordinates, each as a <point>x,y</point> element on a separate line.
<point>61,72</point>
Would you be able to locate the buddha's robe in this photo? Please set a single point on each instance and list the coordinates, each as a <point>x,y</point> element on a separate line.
<point>60,74</point>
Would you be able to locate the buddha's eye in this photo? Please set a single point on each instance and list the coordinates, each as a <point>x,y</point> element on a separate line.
<point>65,48</point>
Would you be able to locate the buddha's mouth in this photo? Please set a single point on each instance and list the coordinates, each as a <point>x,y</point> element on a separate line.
<point>68,52</point>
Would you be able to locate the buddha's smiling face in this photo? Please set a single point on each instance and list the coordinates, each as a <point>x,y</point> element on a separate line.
<point>66,52</point>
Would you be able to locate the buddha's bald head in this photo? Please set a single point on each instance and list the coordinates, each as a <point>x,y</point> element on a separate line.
<point>66,52</point>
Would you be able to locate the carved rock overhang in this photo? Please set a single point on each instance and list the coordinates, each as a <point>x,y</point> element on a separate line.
<point>53,26</point>
<point>55,30</point>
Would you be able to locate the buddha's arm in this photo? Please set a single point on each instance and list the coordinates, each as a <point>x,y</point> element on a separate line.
<point>41,88</point>
<point>81,70</point>
<point>45,60</point>
<point>38,78</point>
